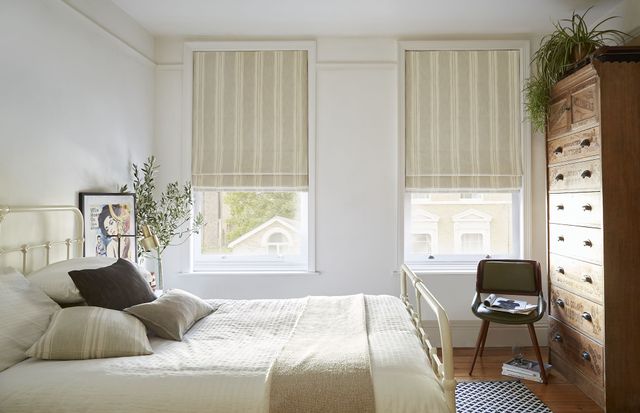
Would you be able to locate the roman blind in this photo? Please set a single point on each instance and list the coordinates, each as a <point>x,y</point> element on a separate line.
<point>462,120</point>
<point>250,127</point>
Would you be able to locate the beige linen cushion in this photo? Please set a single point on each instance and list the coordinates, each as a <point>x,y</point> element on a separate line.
<point>171,315</point>
<point>25,312</point>
<point>78,333</point>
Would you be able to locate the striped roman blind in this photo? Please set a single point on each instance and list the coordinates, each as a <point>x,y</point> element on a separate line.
<point>462,120</point>
<point>250,127</point>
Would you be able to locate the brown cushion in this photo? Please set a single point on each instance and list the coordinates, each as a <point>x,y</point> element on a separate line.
<point>171,315</point>
<point>117,286</point>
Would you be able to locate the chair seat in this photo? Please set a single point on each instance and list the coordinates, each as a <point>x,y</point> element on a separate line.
<point>506,318</point>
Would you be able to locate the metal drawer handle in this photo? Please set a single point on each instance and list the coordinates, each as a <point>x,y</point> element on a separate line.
<point>558,150</point>
<point>587,317</point>
<point>586,174</point>
<point>560,303</point>
<point>560,270</point>
<point>586,278</point>
<point>560,207</point>
<point>566,108</point>
<point>559,177</point>
<point>586,356</point>
<point>561,238</point>
<point>587,207</point>
<point>585,143</point>
<point>587,243</point>
<point>557,338</point>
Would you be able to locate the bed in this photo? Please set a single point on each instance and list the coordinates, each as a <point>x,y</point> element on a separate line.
<point>226,362</point>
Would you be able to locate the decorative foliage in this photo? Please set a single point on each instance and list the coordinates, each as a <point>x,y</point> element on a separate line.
<point>571,42</point>
<point>170,216</point>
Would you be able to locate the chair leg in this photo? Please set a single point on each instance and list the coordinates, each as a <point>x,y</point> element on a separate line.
<point>534,340</point>
<point>484,338</point>
<point>481,336</point>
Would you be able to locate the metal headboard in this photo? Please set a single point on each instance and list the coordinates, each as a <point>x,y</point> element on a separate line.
<point>74,239</point>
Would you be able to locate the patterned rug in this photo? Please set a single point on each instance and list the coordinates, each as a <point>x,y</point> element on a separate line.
<point>497,396</point>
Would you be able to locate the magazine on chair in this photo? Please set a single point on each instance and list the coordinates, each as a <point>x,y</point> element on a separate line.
<point>508,305</point>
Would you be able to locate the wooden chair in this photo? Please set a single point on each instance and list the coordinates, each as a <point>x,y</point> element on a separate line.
<point>511,277</point>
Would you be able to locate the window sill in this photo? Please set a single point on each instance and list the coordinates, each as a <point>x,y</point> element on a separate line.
<point>444,269</point>
<point>248,273</point>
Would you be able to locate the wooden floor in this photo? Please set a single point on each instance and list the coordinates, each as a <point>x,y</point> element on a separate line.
<point>559,395</point>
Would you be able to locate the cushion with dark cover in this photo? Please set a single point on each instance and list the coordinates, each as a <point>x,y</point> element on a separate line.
<point>117,286</point>
<point>171,315</point>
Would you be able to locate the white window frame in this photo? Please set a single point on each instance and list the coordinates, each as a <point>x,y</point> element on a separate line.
<point>521,199</point>
<point>246,265</point>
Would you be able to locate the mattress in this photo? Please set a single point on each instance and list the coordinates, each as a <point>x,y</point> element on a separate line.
<point>222,366</point>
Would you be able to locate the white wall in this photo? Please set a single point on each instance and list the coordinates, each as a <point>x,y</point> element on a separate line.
<point>76,104</point>
<point>357,167</point>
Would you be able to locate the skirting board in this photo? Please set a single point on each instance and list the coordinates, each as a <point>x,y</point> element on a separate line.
<point>465,333</point>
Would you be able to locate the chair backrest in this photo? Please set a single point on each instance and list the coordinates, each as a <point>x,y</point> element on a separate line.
<point>518,277</point>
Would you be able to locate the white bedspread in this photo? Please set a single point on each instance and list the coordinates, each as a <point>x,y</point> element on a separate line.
<point>221,366</point>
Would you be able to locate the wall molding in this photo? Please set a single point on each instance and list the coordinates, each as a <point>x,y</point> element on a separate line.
<point>464,333</point>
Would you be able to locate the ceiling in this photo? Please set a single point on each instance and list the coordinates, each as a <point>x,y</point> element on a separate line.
<point>321,18</point>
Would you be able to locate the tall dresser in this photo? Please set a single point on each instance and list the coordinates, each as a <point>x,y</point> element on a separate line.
<point>593,158</point>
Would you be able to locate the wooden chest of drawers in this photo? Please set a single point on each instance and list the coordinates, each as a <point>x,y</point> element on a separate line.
<point>593,159</point>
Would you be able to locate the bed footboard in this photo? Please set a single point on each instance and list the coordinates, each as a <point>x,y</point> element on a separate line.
<point>443,369</point>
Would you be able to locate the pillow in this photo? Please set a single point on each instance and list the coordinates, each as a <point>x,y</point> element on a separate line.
<point>79,333</point>
<point>171,315</point>
<point>54,279</point>
<point>117,286</point>
<point>25,312</point>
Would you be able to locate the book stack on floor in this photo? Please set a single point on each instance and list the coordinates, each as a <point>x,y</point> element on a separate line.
<point>521,368</point>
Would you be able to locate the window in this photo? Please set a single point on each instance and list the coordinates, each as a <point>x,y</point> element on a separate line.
<point>463,157</point>
<point>250,155</point>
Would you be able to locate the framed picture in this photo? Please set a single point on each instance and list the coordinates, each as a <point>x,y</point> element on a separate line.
<point>109,225</point>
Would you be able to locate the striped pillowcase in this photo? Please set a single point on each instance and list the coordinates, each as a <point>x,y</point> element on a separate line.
<point>78,333</point>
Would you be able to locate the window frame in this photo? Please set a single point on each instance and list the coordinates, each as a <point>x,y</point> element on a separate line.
<point>521,216</point>
<point>187,250</point>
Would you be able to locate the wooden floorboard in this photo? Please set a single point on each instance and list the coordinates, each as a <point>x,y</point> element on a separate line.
<point>559,395</point>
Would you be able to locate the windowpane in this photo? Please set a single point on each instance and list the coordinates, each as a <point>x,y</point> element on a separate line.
<point>449,224</point>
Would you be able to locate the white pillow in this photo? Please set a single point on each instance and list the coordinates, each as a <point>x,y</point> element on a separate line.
<point>54,279</point>
<point>25,312</point>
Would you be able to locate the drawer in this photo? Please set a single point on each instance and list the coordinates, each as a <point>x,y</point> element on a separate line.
<point>580,208</point>
<point>579,277</point>
<point>585,109</point>
<point>577,242</point>
<point>578,176</point>
<point>584,354</point>
<point>559,120</point>
<point>575,146</point>
<point>577,312</point>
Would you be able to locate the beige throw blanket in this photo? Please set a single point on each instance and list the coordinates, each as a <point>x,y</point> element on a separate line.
<point>325,366</point>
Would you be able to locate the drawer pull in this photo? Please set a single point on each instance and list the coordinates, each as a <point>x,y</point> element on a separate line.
<point>586,356</point>
<point>585,143</point>
<point>587,243</point>
<point>561,238</point>
<point>586,174</point>
<point>560,207</point>
<point>587,207</point>
<point>560,303</point>
<point>566,108</point>
<point>587,316</point>
<point>587,278</point>
<point>557,338</point>
<point>558,150</point>
<point>559,177</point>
<point>560,270</point>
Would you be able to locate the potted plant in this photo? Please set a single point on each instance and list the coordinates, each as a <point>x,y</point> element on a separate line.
<point>164,219</point>
<point>561,51</point>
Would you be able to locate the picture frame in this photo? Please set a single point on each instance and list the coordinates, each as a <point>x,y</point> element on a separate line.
<point>110,227</point>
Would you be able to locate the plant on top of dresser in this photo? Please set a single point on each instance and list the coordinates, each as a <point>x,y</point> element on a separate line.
<point>169,214</point>
<point>560,51</point>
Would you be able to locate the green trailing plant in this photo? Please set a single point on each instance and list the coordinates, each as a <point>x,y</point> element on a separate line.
<point>560,51</point>
<point>169,214</point>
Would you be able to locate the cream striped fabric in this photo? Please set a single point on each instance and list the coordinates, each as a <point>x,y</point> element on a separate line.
<point>78,333</point>
<point>250,120</point>
<point>462,120</point>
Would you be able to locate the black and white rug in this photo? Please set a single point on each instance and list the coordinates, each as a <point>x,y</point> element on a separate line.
<point>497,396</point>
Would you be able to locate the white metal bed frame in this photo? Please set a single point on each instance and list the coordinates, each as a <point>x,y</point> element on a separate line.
<point>443,369</point>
